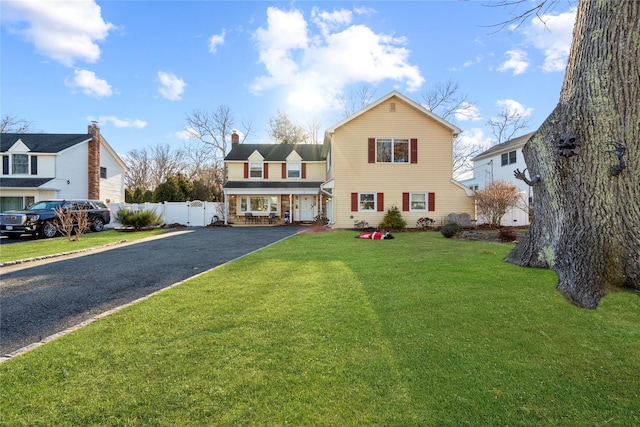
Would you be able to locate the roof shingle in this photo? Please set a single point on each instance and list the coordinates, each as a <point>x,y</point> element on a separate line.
<point>43,142</point>
<point>276,152</point>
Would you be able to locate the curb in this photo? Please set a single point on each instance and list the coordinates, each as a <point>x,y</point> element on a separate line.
<point>40,258</point>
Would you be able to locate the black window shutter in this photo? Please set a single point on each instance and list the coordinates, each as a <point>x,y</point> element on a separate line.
<point>34,165</point>
<point>5,165</point>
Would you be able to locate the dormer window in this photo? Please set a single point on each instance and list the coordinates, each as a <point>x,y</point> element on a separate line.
<point>255,170</point>
<point>293,170</point>
<point>20,164</point>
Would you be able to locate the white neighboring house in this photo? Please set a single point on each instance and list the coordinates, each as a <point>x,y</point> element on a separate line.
<point>498,163</point>
<point>38,166</point>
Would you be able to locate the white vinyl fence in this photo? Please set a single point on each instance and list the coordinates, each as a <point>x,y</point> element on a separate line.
<point>191,214</point>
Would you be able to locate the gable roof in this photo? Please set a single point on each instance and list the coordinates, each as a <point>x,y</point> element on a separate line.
<point>509,145</point>
<point>276,152</point>
<point>43,142</point>
<point>454,129</point>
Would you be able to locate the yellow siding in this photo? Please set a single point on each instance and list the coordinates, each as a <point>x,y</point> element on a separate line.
<point>316,171</point>
<point>235,171</point>
<point>433,172</point>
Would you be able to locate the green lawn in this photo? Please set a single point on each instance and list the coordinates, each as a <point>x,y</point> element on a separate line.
<point>325,329</point>
<point>31,248</point>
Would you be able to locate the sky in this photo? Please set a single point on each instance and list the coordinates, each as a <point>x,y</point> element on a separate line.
<point>139,68</point>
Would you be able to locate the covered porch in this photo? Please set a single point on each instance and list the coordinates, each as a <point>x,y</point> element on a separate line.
<point>277,203</point>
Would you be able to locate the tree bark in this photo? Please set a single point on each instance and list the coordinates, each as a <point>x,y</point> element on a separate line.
<point>586,224</point>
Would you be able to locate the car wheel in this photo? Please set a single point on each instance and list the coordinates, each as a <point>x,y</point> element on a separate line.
<point>98,225</point>
<point>48,230</point>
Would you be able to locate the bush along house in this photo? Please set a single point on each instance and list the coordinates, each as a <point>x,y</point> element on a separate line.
<point>39,166</point>
<point>393,152</point>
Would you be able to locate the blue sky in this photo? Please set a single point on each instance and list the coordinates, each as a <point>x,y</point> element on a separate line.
<point>140,67</point>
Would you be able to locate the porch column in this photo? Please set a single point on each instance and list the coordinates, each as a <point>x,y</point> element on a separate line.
<point>226,207</point>
<point>290,208</point>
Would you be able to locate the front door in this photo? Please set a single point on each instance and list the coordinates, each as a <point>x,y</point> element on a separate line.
<point>306,205</point>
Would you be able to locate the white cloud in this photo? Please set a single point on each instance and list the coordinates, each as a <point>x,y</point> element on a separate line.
<point>184,134</point>
<point>514,108</point>
<point>328,21</point>
<point>552,34</point>
<point>468,111</point>
<point>120,123</point>
<point>90,84</point>
<point>215,41</point>
<point>518,62</point>
<point>171,87</point>
<point>474,61</point>
<point>473,138</point>
<point>314,67</point>
<point>65,31</point>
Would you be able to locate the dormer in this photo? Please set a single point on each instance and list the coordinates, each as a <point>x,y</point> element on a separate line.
<point>19,161</point>
<point>19,147</point>
<point>255,168</point>
<point>294,166</point>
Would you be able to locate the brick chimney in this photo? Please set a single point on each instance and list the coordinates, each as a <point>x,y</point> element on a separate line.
<point>235,138</point>
<point>94,163</point>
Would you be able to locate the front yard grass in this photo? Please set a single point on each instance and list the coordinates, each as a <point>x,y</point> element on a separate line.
<point>44,247</point>
<point>325,329</point>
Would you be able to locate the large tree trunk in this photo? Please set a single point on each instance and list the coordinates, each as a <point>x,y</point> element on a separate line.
<point>586,224</point>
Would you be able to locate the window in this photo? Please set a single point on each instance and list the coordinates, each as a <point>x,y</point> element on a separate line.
<point>508,158</point>
<point>103,173</point>
<point>259,204</point>
<point>20,164</point>
<point>255,170</point>
<point>418,201</point>
<point>392,150</point>
<point>367,202</point>
<point>293,170</point>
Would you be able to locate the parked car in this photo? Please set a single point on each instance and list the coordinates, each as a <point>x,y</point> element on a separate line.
<point>40,218</point>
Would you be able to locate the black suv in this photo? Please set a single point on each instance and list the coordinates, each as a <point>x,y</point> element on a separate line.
<point>40,218</point>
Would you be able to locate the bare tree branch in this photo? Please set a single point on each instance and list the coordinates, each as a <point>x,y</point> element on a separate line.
<point>537,8</point>
<point>507,124</point>
<point>313,130</point>
<point>358,99</point>
<point>13,124</point>
<point>214,129</point>
<point>138,167</point>
<point>446,101</point>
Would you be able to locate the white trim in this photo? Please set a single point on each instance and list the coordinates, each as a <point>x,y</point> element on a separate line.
<point>426,201</point>
<point>375,201</point>
<point>454,129</point>
<point>469,192</point>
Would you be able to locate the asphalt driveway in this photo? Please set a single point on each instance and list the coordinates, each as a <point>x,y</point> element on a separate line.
<point>44,299</point>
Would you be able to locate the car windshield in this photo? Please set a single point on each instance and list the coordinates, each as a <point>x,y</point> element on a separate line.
<point>45,205</point>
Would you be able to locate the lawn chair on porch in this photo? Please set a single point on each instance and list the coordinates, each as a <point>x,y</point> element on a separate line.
<point>272,218</point>
<point>248,217</point>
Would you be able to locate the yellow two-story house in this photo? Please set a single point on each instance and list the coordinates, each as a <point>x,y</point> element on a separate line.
<point>394,152</point>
